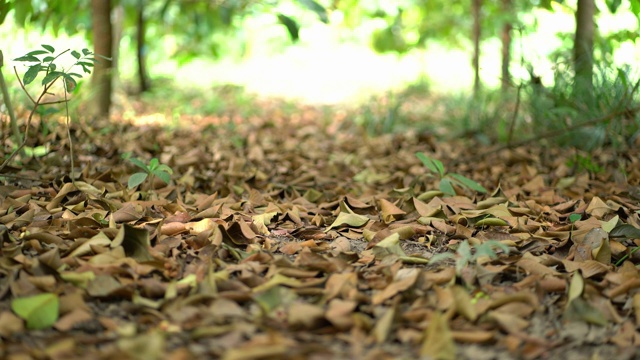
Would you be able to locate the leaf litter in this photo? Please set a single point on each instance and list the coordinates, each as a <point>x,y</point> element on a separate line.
<point>286,239</point>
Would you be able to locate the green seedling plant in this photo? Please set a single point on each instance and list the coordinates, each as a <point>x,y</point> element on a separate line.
<point>469,254</point>
<point>149,172</point>
<point>447,180</point>
<point>45,62</point>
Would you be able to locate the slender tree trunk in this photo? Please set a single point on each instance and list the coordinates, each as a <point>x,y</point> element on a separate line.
<point>143,78</point>
<point>506,44</point>
<point>583,48</point>
<point>476,6</point>
<point>102,45</point>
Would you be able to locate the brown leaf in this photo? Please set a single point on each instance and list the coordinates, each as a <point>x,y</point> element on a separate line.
<point>305,316</point>
<point>10,324</point>
<point>463,303</point>
<point>390,212</point>
<point>71,319</point>
<point>240,233</point>
<point>404,279</point>
<point>340,313</point>
<point>438,342</point>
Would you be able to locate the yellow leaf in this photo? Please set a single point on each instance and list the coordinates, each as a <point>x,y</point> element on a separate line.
<point>349,219</point>
<point>438,343</point>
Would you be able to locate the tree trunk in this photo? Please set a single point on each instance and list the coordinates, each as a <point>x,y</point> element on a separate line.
<point>506,44</point>
<point>476,6</point>
<point>143,78</point>
<point>583,49</point>
<point>102,45</point>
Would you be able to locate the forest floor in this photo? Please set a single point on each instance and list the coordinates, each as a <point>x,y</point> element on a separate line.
<point>294,235</point>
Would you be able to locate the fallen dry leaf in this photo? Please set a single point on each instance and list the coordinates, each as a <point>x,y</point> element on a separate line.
<point>287,236</point>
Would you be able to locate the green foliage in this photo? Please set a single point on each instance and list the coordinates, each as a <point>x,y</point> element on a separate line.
<point>557,109</point>
<point>584,163</point>
<point>382,115</point>
<point>149,171</point>
<point>466,254</point>
<point>43,62</point>
<point>448,180</point>
<point>39,311</point>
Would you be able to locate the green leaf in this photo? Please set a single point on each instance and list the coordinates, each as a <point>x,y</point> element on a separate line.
<point>165,168</point>
<point>22,10</point>
<point>51,77</point>
<point>31,74</point>
<point>49,48</point>
<point>37,52</point>
<point>635,7</point>
<point>440,257</point>
<point>76,54</point>
<point>464,250</point>
<point>86,52</point>
<point>271,298</point>
<point>431,164</point>
<point>575,217</point>
<point>292,26</point>
<point>446,187</point>
<point>465,181</point>
<point>29,58</point>
<point>613,5</point>
<point>162,175</point>
<point>136,179</point>
<point>625,231</point>
<point>316,8</point>
<point>137,162</point>
<point>39,311</point>
<point>70,83</point>
<point>464,256</point>
<point>48,59</point>
<point>153,164</point>
<point>486,249</point>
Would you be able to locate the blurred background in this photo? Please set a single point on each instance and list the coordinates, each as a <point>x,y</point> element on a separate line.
<point>477,62</point>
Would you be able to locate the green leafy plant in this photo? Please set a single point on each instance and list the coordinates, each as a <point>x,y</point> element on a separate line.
<point>43,62</point>
<point>151,170</point>
<point>468,254</point>
<point>447,180</point>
